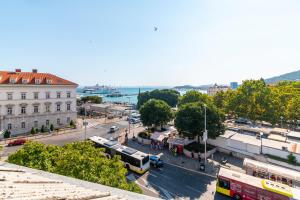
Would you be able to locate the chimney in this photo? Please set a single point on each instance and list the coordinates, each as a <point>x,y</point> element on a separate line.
<point>18,70</point>
<point>34,70</point>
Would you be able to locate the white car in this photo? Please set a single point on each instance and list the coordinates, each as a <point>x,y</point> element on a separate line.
<point>113,129</point>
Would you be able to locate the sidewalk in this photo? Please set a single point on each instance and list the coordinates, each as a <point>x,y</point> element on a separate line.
<point>182,161</point>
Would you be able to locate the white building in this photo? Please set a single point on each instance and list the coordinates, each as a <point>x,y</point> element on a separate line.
<point>32,99</point>
<point>216,88</point>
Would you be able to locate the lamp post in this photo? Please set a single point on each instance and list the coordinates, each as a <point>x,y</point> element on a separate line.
<point>129,117</point>
<point>281,119</point>
<point>85,123</point>
<point>205,134</point>
<point>261,134</point>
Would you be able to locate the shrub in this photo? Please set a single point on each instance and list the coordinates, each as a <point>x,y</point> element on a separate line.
<point>292,159</point>
<point>144,135</point>
<point>32,131</point>
<point>51,127</point>
<point>196,147</point>
<point>7,134</point>
<point>43,129</point>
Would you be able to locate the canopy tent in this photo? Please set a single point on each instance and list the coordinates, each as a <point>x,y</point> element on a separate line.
<point>160,136</point>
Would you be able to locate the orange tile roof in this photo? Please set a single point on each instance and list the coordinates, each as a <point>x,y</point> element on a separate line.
<point>5,77</point>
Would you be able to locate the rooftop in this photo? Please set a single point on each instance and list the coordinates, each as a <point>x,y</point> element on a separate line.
<point>32,78</point>
<point>24,183</point>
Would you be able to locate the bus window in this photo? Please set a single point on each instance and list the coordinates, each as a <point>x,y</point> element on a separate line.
<point>145,160</point>
<point>225,184</point>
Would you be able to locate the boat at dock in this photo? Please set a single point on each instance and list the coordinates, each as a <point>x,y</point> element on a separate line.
<point>99,89</point>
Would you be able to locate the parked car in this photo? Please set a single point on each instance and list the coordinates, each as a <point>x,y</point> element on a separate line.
<point>134,121</point>
<point>113,129</point>
<point>16,142</point>
<point>242,121</point>
<point>156,161</point>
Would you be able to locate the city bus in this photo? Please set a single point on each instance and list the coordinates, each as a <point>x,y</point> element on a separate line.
<point>134,160</point>
<point>272,172</point>
<point>241,186</point>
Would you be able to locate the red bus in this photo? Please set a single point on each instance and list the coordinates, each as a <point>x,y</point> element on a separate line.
<point>241,186</point>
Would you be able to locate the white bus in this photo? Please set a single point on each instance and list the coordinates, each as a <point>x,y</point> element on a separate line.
<point>272,172</point>
<point>133,159</point>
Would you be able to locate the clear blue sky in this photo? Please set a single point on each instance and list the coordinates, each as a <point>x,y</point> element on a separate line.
<point>113,42</point>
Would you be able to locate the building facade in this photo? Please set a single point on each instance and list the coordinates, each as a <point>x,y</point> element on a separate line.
<point>216,88</point>
<point>234,85</point>
<point>31,99</point>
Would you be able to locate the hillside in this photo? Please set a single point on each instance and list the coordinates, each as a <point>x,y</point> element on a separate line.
<point>292,76</point>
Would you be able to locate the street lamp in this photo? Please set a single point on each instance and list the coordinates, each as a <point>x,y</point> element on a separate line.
<point>281,118</point>
<point>85,123</point>
<point>205,134</point>
<point>129,117</point>
<point>261,134</point>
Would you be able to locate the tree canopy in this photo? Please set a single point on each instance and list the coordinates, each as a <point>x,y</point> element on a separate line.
<point>92,99</point>
<point>79,160</point>
<point>155,112</point>
<point>190,120</point>
<point>193,96</point>
<point>167,95</point>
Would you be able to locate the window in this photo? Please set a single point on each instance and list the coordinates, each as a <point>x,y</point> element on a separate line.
<point>9,111</point>
<point>23,125</point>
<point>24,81</point>
<point>12,80</point>
<point>48,81</point>
<point>23,95</point>
<point>58,121</point>
<point>47,108</point>
<point>68,120</point>
<point>58,107</point>
<point>68,94</point>
<point>47,122</point>
<point>9,126</point>
<point>224,184</point>
<point>23,110</point>
<point>9,96</point>
<point>35,109</point>
<point>58,94</point>
<point>37,81</point>
<point>36,124</point>
<point>68,107</point>
<point>36,95</point>
<point>47,95</point>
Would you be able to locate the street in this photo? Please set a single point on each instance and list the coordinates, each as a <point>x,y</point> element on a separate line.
<point>169,182</point>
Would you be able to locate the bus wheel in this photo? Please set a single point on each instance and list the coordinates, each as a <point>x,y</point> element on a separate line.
<point>237,197</point>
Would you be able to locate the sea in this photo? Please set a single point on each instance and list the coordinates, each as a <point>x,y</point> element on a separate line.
<point>129,94</point>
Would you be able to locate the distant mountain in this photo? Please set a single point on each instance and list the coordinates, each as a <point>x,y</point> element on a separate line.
<point>292,76</point>
<point>190,87</point>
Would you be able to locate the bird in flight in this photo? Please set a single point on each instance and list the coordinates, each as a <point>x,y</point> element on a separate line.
<point>155,28</point>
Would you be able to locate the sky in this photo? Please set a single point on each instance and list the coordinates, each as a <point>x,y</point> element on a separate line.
<point>113,42</point>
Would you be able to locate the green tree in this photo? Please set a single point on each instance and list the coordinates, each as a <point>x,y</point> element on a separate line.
<point>169,96</point>
<point>189,120</point>
<point>293,110</point>
<point>79,160</point>
<point>43,129</point>
<point>91,99</point>
<point>193,96</point>
<point>7,134</point>
<point>254,100</point>
<point>155,112</point>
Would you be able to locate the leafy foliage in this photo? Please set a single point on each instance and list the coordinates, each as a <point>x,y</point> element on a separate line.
<point>193,96</point>
<point>169,96</point>
<point>155,112</point>
<point>33,131</point>
<point>190,120</point>
<point>92,99</point>
<point>292,159</point>
<point>79,160</point>
<point>7,134</point>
